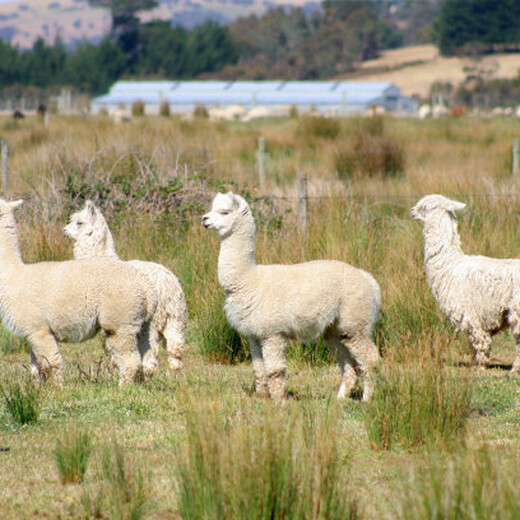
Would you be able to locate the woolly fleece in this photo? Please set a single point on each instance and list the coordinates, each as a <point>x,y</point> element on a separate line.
<point>272,304</point>
<point>92,238</point>
<point>50,302</point>
<point>480,295</point>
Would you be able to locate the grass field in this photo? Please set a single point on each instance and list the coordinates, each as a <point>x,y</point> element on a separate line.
<point>439,440</point>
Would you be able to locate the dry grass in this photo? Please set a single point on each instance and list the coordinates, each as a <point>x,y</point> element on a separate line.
<point>363,221</point>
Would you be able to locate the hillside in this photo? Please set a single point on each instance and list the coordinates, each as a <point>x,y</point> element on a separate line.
<point>415,69</point>
<point>21,22</point>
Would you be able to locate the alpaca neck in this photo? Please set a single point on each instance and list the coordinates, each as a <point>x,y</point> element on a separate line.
<point>10,256</point>
<point>96,244</point>
<point>236,257</point>
<point>442,250</point>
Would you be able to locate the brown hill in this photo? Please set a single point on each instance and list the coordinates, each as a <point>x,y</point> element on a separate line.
<point>22,21</point>
<point>415,69</point>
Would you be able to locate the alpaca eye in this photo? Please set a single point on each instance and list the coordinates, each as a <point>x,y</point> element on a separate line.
<point>79,223</point>
<point>225,212</point>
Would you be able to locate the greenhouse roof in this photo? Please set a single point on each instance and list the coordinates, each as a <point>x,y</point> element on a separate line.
<point>246,92</point>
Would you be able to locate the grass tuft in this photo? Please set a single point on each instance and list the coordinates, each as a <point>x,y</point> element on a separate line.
<point>287,466</point>
<point>471,485</point>
<point>22,400</point>
<point>418,406</point>
<point>72,452</point>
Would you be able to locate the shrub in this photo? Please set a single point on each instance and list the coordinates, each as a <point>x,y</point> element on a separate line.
<point>22,400</point>
<point>418,406</point>
<point>318,126</point>
<point>370,156</point>
<point>289,466</point>
<point>200,111</point>
<point>164,109</point>
<point>72,452</point>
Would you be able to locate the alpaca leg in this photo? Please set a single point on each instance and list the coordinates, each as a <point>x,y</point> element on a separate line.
<point>261,388</point>
<point>366,357</point>
<point>124,347</point>
<point>147,345</point>
<point>46,359</point>
<point>481,343</point>
<point>174,334</point>
<point>347,366</point>
<point>274,353</point>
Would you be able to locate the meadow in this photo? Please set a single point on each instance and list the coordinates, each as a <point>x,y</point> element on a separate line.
<point>438,440</point>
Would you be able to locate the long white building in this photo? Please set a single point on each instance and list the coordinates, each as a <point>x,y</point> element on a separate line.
<point>337,97</point>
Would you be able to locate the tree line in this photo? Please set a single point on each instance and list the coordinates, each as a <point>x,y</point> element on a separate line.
<point>282,44</point>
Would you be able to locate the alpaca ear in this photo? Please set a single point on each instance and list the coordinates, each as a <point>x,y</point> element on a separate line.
<point>241,204</point>
<point>455,206</point>
<point>89,206</point>
<point>15,204</point>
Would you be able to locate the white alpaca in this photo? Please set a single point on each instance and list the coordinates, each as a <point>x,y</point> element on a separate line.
<point>271,304</point>
<point>50,302</point>
<point>480,295</point>
<point>92,237</point>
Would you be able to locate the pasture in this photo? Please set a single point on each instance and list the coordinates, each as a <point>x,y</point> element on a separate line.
<point>438,440</point>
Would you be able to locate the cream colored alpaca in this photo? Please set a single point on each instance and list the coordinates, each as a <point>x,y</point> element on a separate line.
<point>480,295</point>
<point>51,302</point>
<point>92,237</point>
<point>272,304</point>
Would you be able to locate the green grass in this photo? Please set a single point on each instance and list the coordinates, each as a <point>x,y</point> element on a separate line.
<point>472,484</point>
<point>428,402</point>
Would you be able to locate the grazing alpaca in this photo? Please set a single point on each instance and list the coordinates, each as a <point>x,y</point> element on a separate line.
<point>272,304</point>
<point>51,302</point>
<point>92,238</point>
<point>480,295</point>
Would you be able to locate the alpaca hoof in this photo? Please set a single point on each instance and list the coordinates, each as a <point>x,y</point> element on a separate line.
<point>175,364</point>
<point>150,365</point>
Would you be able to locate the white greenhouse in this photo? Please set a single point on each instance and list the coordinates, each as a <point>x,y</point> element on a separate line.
<point>266,97</point>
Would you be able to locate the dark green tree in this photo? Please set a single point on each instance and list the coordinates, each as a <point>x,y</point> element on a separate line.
<point>125,21</point>
<point>464,25</point>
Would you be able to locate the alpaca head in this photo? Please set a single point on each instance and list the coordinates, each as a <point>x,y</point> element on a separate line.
<point>82,223</point>
<point>438,205</point>
<point>228,213</point>
<point>6,207</point>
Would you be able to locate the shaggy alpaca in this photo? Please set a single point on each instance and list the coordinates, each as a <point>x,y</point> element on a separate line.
<point>271,304</point>
<point>92,237</point>
<point>50,302</point>
<point>480,295</point>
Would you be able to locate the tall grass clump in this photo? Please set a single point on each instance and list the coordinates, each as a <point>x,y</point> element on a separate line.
<point>138,108</point>
<point>218,341</point>
<point>10,343</point>
<point>471,485</point>
<point>124,491</point>
<point>22,400</point>
<point>72,453</point>
<point>418,406</point>
<point>288,465</point>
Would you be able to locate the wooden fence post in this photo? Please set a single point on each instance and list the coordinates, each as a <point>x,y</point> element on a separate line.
<point>302,201</point>
<point>5,165</point>
<point>516,157</point>
<point>261,162</point>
